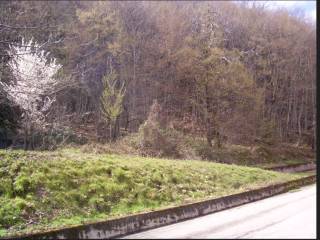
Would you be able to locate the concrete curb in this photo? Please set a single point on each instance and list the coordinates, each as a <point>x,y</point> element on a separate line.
<point>135,223</point>
<point>299,167</point>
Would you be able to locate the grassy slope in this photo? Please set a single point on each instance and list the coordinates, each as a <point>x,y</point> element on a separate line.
<point>196,148</point>
<point>40,190</point>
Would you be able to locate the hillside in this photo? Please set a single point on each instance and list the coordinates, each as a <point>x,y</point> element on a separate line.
<point>226,72</point>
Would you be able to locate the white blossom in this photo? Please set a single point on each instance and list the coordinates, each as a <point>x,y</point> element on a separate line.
<point>34,79</point>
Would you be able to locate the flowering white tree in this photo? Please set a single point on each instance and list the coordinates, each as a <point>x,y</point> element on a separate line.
<point>34,81</point>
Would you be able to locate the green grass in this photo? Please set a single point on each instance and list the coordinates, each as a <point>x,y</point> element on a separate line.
<point>45,190</point>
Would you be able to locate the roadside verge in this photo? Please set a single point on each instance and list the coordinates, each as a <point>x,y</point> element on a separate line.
<point>134,223</point>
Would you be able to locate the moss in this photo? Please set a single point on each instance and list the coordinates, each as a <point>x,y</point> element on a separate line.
<point>11,211</point>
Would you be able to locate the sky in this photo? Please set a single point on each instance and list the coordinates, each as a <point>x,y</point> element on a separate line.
<point>308,7</point>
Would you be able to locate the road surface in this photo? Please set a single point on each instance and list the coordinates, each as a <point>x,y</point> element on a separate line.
<point>289,215</point>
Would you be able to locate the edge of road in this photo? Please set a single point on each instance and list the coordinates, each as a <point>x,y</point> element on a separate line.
<point>134,223</point>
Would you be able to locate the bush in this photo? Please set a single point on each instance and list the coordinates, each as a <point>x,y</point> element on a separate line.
<point>205,152</point>
<point>51,137</point>
<point>155,139</point>
<point>157,142</point>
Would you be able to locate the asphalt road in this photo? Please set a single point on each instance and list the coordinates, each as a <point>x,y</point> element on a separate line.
<point>289,215</point>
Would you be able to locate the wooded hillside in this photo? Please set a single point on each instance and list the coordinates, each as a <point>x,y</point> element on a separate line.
<point>90,71</point>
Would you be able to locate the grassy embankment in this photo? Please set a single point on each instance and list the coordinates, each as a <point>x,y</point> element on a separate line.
<point>43,190</point>
<point>196,148</point>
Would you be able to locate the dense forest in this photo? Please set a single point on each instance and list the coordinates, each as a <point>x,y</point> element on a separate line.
<point>83,71</point>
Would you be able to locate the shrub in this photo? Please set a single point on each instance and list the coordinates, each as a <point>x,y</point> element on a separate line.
<point>55,136</point>
<point>155,138</point>
<point>50,137</point>
<point>206,152</point>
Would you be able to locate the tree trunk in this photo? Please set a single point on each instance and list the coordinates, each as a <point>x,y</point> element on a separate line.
<point>110,131</point>
<point>25,139</point>
<point>26,135</point>
<point>208,116</point>
<point>218,139</point>
<point>31,137</point>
